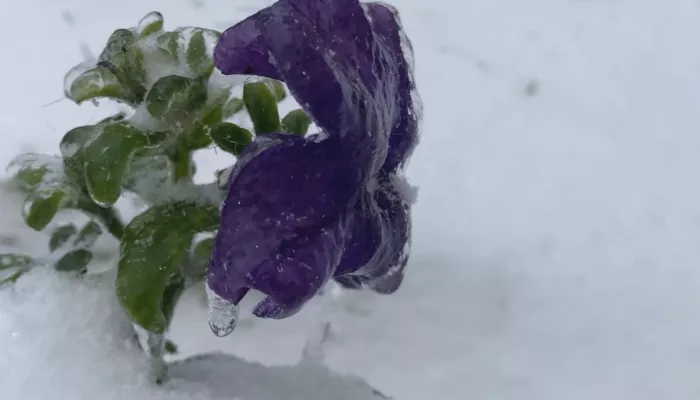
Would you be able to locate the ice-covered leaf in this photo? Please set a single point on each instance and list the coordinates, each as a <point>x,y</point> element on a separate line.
<point>261,103</point>
<point>61,235</point>
<point>74,260</point>
<point>12,266</point>
<point>151,23</point>
<point>149,174</point>
<point>28,171</point>
<point>97,82</point>
<point>200,50</point>
<point>175,99</point>
<point>231,138</point>
<point>88,235</point>
<point>71,147</point>
<point>44,179</point>
<point>108,155</point>
<point>296,122</point>
<point>233,106</point>
<point>169,45</point>
<point>152,250</point>
<point>41,208</point>
<point>124,58</point>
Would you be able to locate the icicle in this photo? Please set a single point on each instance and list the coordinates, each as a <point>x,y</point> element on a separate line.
<point>223,314</point>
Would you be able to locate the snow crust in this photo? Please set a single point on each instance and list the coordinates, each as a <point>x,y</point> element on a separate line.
<point>66,338</point>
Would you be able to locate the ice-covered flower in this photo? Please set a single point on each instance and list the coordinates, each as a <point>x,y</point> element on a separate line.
<point>301,211</point>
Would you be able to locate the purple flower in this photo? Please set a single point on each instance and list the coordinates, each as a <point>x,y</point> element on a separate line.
<point>301,211</point>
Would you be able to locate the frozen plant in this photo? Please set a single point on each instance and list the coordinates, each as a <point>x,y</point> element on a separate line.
<point>294,212</point>
<point>177,106</point>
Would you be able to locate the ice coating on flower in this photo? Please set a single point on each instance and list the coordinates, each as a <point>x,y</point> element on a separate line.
<point>301,211</point>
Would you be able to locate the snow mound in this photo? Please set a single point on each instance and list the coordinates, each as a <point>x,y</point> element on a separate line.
<point>66,338</point>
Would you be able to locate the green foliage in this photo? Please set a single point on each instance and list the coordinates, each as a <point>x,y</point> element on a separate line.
<point>107,157</point>
<point>61,235</point>
<point>97,82</point>
<point>175,108</point>
<point>153,248</point>
<point>12,266</point>
<point>296,122</point>
<point>231,137</point>
<point>260,101</point>
<point>150,24</point>
<point>47,186</point>
<point>174,99</point>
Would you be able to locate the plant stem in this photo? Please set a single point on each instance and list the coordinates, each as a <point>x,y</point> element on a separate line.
<point>109,217</point>
<point>182,164</point>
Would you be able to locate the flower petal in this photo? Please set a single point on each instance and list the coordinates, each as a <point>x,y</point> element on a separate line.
<point>241,50</point>
<point>332,63</point>
<point>300,211</point>
<point>376,250</point>
<point>281,187</point>
<point>386,24</point>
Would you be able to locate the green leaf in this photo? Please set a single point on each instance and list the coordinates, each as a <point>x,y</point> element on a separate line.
<point>261,103</point>
<point>108,155</point>
<point>278,88</point>
<point>12,266</point>
<point>232,107</point>
<point>151,23</point>
<point>198,136</point>
<point>169,45</point>
<point>152,250</point>
<point>231,138</point>
<point>296,122</point>
<point>88,235</point>
<point>213,116</point>
<point>39,209</point>
<point>123,57</point>
<point>74,260</point>
<point>61,235</point>
<point>200,51</point>
<point>27,179</point>
<point>71,148</point>
<point>149,174</point>
<point>176,99</point>
<point>97,82</point>
<point>44,179</point>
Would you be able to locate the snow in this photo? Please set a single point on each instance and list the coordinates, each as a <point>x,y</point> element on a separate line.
<point>66,337</point>
<point>555,246</point>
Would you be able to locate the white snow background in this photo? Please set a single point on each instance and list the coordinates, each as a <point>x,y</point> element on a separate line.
<point>556,234</point>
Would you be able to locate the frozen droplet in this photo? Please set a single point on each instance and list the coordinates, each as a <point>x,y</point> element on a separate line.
<point>223,314</point>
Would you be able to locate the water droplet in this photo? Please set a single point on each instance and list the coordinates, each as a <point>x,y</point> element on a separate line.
<point>223,314</point>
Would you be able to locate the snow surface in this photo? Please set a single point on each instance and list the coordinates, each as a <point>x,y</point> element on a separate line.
<point>555,248</point>
<point>69,339</point>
